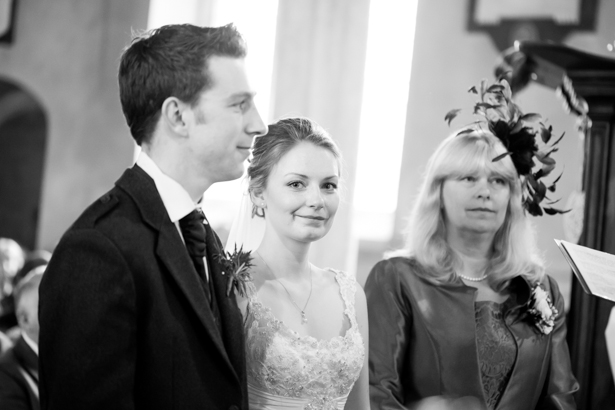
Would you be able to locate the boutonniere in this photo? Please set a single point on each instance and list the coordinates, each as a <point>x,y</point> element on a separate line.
<point>541,310</point>
<point>236,266</point>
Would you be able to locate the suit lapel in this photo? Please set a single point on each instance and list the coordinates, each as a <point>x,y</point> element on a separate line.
<point>171,249</point>
<point>230,315</point>
<point>173,254</point>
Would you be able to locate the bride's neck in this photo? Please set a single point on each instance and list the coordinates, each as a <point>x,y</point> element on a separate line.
<point>283,259</point>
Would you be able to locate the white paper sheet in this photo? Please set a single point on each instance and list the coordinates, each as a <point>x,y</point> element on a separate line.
<point>594,269</point>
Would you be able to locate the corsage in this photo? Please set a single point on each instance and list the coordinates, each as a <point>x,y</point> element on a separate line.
<point>541,310</point>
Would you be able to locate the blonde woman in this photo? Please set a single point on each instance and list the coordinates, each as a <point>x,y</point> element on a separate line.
<point>464,316</point>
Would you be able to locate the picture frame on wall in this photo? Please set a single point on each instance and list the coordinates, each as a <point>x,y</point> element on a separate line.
<point>507,21</point>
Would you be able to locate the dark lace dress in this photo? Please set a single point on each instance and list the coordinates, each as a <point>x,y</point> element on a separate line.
<point>497,349</point>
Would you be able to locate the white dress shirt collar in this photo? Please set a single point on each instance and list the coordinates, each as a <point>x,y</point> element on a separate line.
<point>175,198</point>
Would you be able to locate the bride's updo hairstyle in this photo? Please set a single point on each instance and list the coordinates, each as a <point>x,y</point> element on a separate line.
<point>514,249</point>
<point>283,136</point>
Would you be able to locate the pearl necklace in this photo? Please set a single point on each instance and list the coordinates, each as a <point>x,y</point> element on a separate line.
<point>302,311</point>
<point>479,279</point>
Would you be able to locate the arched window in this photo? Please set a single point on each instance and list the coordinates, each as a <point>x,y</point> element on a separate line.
<point>23,137</point>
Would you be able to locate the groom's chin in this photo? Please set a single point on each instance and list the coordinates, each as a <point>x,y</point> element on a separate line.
<point>232,175</point>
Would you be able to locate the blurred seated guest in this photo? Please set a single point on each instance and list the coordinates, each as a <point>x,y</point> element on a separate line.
<point>5,343</point>
<point>33,259</point>
<point>12,259</point>
<point>19,365</point>
<point>36,261</point>
<point>465,312</point>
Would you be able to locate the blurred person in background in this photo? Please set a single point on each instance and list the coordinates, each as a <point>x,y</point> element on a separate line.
<point>19,365</point>
<point>12,259</point>
<point>5,342</point>
<point>34,259</point>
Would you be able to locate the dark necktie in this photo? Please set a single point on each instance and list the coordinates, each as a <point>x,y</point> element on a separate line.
<point>195,234</point>
<point>194,229</point>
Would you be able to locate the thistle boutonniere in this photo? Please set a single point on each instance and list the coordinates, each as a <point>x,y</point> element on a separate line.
<point>541,310</point>
<point>236,266</point>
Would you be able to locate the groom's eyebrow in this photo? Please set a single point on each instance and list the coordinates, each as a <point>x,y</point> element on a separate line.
<point>243,94</point>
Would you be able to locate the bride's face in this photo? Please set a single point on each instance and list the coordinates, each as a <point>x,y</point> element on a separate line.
<point>301,196</point>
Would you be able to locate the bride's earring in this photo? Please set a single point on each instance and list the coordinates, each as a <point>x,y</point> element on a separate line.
<point>258,210</point>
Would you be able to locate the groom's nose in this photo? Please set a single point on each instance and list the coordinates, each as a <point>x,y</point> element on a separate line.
<point>255,126</point>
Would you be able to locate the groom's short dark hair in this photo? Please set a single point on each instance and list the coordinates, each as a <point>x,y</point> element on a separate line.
<point>170,61</point>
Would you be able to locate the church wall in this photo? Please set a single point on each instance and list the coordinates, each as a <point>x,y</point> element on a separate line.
<point>66,54</point>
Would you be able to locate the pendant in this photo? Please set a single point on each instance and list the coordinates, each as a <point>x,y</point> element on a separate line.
<point>303,318</point>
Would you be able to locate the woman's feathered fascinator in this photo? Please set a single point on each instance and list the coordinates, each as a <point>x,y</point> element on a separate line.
<point>521,134</point>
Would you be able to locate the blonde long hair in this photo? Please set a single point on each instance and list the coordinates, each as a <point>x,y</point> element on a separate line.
<point>514,249</point>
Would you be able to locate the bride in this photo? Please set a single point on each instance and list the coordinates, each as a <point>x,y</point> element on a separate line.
<point>305,327</point>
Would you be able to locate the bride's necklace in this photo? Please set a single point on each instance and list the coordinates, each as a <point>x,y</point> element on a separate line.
<point>302,311</point>
<point>471,279</point>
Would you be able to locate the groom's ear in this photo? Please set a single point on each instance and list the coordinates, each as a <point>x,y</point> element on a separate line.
<point>173,114</point>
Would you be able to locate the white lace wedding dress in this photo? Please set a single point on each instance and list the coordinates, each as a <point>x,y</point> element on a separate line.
<point>287,371</point>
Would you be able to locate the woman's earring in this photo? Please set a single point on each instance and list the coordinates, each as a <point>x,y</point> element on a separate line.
<point>258,210</point>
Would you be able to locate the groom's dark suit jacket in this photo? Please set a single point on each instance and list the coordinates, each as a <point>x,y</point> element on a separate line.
<point>124,320</point>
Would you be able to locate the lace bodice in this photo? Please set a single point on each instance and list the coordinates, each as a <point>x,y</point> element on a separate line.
<point>281,362</point>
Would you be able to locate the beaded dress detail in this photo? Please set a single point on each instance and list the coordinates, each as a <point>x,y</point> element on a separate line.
<point>289,371</point>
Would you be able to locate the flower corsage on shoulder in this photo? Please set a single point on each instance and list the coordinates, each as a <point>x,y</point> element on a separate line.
<point>526,138</point>
<point>236,267</point>
<point>541,310</point>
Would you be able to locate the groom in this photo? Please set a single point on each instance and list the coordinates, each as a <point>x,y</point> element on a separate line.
<point>132,316</point>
